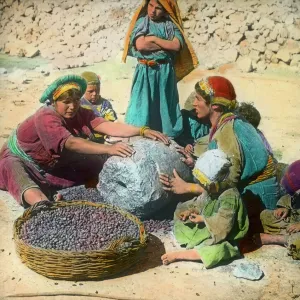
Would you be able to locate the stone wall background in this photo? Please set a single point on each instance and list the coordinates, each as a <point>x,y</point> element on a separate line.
<point>254,34</point>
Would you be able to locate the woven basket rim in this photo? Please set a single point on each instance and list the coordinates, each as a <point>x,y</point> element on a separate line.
<point>55,205</point>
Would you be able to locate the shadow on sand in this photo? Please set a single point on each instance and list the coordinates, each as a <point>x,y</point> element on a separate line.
<point>151,258</point>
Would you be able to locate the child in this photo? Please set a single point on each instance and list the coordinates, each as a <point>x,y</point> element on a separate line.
<point>282,225</point>
<point>92,100</point>
<point>210,226</point>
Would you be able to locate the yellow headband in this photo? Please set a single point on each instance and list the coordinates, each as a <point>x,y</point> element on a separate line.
<point>229,104</point>
<point>201,177</point>
<point>63,88</point>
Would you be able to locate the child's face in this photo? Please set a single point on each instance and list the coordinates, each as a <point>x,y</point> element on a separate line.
<point>155,10</point>
<point>92,93</point>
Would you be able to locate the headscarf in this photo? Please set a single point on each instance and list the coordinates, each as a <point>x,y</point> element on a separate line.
<point>211,167</point>
<point>217,90</point>
<point>186,60</point>
<point>291,178</point>
<point>91,78</point>
<point>61,85</point>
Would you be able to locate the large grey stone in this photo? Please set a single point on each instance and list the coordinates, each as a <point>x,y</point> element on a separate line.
<point>248,270</point>
<point>133,183</point>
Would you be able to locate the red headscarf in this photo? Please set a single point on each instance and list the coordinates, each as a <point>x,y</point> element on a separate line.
<point>217,90</point>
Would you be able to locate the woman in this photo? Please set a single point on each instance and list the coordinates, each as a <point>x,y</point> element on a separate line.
<point>210,225</point>
<point>155,37</point>
<point>252,170</point>
<point>52,150</point>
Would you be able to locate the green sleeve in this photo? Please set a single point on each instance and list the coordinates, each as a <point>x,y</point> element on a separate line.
<point>225,140</point>
<point>221,223</point>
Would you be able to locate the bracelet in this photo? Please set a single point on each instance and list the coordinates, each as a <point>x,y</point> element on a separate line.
<point>143,129</point>
<point>193,188</point>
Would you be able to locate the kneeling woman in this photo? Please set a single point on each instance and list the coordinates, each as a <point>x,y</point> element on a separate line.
<point>52,150</point>
<point>210,225</point>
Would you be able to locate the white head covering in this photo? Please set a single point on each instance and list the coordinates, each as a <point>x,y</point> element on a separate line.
<point>211,166</point>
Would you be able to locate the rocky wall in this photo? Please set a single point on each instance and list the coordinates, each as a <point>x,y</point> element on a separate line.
<point>254,34</point>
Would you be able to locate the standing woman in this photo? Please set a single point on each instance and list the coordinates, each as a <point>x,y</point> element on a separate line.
<point>52,149</point>
<point>155,37</point>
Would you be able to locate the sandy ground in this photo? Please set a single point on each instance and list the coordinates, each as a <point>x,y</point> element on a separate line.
<point>276,94</point>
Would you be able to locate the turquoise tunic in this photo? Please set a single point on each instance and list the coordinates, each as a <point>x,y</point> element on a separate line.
<point>241,142</point>
<point>154,98</point>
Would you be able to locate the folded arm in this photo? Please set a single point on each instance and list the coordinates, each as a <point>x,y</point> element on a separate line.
<point>173,45</point>
<point>143,43</point>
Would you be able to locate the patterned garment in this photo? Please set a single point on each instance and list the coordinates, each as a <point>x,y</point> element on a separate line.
<point>42,137</point>
<point>225,222</point>
<point>102,109</point>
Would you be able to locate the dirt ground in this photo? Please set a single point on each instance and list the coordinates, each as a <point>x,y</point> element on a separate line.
<point>275,93</point>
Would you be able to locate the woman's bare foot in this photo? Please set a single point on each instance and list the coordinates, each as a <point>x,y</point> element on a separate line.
<point>268,239</point>
<point>170,257</point>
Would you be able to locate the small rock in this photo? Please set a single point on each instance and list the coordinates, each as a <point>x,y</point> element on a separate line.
<point>284,55</point>
<point>259,47</point>
<point>273,47</point>
<point>230,55</point>
<point>245,64</point>
<point>3,71</point>
<point>294,33</point>
<point>289,20</point>
<point>248,271</point>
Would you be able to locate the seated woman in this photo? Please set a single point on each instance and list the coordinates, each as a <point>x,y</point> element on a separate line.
<point>51,150</point>
<point>253,170</point>
<point>282,225</point>
<point>210,225</point>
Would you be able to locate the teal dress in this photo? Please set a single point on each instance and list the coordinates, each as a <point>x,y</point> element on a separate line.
<point>241,142</point>
<point>154,100</point>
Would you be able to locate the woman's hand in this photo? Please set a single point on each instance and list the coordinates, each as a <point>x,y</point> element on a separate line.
<point>156,135</point>
<point>187,159</point>
<point>293,228</point>
<point>121,149</point>
<point>189,149</point>
<point>175,184</point>
<point>281,213</point>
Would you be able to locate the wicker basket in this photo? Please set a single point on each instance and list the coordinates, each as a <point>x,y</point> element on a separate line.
<point>85,265</point>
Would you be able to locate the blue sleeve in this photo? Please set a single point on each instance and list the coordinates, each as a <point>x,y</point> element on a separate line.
<point>178,35</point>
<point>255,153</point>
